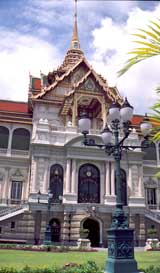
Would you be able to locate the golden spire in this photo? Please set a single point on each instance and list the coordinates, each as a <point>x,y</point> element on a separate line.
<point>74,53</point>
<point>75,44</point>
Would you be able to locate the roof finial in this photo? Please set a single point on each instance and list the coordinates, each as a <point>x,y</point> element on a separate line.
<point>75,44</point>
<point>75,9</point>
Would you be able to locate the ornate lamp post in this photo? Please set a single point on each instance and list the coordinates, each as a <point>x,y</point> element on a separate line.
<point>47,234</point>
<point>38,196</point>
<point>120,236</point>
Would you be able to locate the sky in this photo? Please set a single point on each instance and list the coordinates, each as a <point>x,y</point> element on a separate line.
<point>36,34</point>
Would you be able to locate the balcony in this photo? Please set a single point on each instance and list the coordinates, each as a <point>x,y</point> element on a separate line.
<point>46,133</point>
<point>153,207</point>
<point>14,153</point>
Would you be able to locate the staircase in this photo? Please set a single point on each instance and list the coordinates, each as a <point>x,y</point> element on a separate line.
<point>153,215</point>
<point>8,212</point>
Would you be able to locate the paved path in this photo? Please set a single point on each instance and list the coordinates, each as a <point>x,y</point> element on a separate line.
<point>137,249</point>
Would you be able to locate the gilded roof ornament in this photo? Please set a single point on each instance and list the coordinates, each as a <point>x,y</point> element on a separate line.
<point>75,44</point>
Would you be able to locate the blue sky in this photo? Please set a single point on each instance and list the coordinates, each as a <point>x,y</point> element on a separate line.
<point>35,35</point>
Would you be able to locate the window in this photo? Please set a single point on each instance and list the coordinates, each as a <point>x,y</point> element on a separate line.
<point>16,190</point>
<point>4,135</point>
<point>12,225</point>
<point>88,184</point>
<point>56,182</point>
<point>151,196</point>
<point>21,139</point>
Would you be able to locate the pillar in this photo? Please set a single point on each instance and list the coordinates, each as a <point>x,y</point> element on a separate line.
<point>104,116</point>
<point>6,185</point>
<point>73,181</point>
<point>140,184</point>
<point>68,175</point>
<point>74,112</point>
<point>10,142</point>
<point>107,180</point>
<point>45,182</point>
<point>112,179</point>
<point>130,180</point>
<point>33,175</point>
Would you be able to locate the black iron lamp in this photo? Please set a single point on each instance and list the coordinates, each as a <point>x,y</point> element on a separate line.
<point>120,236</point>
<point>47,234</point>
<point>38,196</point>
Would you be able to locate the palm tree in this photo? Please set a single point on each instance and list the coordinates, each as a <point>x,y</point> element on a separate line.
<point>149,41</point>
<point>149,46</point>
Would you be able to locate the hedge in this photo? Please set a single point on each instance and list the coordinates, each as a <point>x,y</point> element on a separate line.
<point>89,267</point>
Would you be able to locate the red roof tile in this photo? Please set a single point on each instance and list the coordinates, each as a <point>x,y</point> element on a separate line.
<point>36,83</point>
<point>136,120</point>
<point>12,106</point>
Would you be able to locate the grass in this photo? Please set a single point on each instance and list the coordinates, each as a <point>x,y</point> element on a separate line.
<point>18,258</point>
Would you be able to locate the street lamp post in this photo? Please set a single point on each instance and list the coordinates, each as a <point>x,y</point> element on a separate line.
<point>120,236</point>
<point>47,234</point>
<point>39,196</point>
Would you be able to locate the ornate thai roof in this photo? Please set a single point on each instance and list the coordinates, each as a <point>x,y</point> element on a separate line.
<point>75,58</point>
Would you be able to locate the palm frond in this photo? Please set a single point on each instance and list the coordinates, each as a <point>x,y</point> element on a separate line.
<point>149,38</point>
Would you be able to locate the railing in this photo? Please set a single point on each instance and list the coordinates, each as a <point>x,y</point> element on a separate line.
<point>9,210</point>
<point>153,207</point>
<point>14,152</point>
<point>153,214</point>
<point>20,152</point>
<point>3,151</point>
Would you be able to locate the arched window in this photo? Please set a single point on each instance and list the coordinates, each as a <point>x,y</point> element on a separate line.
<point>123,187</point>
<point>88,184</point>
<point>150,152</point>
<point>21,139</point>
<point>56,182</point>
<point>4,135</point>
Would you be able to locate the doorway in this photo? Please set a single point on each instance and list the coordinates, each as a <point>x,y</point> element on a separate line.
<point>55,230</point>
<point>94,231</point>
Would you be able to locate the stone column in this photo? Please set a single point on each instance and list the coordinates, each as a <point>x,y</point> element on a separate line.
<point>103,105</point>
<point>68,175</point>
<point>140,184</point>
<point>112,179</point>
<point>130,180</point>
<point>46,176</point>
<point>74,112</point>
<point>10,141</point>
<point>107,180</point>
<point>73,181</point>
<point>102,182</point>
<point>6,185</point>
<point>33,175</point>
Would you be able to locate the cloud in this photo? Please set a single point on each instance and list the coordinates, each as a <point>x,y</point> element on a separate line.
<point>111,42</point>
<point>40,34</point>
<point>19,55</point>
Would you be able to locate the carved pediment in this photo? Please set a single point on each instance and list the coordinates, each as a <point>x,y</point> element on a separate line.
<point>78,75</point>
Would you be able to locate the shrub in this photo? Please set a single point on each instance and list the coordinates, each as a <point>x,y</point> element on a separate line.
<point>89,267</point>
<point>152,269</point>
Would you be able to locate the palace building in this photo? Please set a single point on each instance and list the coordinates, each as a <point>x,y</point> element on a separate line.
<point>41,149</point>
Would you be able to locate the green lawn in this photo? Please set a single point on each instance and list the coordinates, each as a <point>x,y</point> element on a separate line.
<point>18,259</point>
